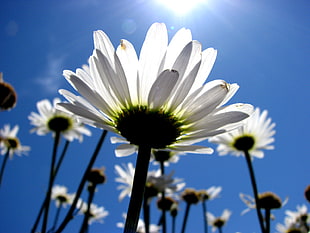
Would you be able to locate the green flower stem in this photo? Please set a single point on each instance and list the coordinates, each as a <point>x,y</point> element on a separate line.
<point>138,187</point>
<point>255,191</point>
<point>33,230</point>
<point>91,194</point>
<point>185,217</point>
<point>6,156</point>
<point>69,215</point>
<point>51,181</point>
<point>267,219</point>
<point>205,219</point>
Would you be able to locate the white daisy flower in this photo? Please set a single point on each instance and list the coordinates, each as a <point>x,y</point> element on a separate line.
<point>97,214</point>
<point>9,142</point>
<point>141,226</point>
<point>158,100</point>
<point>295,221</point>
<point>52,120</point>
<point>211,193</point>
<point>218,222</point>
<point>255,135</point>
<point>155,182</point>
<point>61,196</point>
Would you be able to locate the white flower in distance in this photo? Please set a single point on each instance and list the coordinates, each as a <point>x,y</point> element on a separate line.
<point>255,135</point>
<point>154,181</point>
<point>9,142</point>
<point>52,120</point>
<point>153,228</point>
<point>97,214</point>
<point>158,100</point>
<point>61,196</point>
<point>218,222</point>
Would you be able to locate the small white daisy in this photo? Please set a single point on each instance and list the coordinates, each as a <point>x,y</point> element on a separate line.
<point>49,119</point>
<point>141,226</point>
<point>97,214</point>
<point>155,182</point>
<point>253,136</point>
<point>210,193</point>
<point>61,196</point>
<point>218,222</point>
<point>9,142</point>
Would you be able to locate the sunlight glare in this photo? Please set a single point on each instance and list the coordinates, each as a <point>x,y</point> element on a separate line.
<point>181,7</point>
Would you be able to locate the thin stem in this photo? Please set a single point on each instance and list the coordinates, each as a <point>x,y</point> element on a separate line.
<point>138,187</point>
<point>6,156</point>
<point>69,215</point>
<point>220,230</point>
<point>56,218</point>
<point>61,158</point>
<point>146,215</point>
<point>51,181</point>
<point>163,196</point>
<point>87,214</point>
<point>185,217</point>
<point>45,199</point>
<point>254,186</point>
<point>205,219</point>
<point>267,219</point>
<point>173,224</point>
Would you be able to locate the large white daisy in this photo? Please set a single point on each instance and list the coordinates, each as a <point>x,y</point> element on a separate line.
<point>10,143</point>
<point>158,100</point>
<point>253,136</point>
<point>51,119</point>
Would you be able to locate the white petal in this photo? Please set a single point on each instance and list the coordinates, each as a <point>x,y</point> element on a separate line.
<point>194,149</point>
<point>129,61</point>
<point>151,54</point>
<point>162,88</point>
<point>125,150</point>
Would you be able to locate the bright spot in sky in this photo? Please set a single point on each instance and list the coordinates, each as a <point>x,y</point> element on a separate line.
<point>181,7</point>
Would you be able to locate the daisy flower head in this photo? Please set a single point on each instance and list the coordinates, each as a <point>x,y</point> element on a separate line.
<point>210,193</point>
<point>218,222</point>
<point>97,214</point>
<point>49,119</point>
<point>9,142</point>
<point>158,100</point>
<point>253,136</point>
<point>8,96</point>
<point>153,228</point>
<point>61,196</point>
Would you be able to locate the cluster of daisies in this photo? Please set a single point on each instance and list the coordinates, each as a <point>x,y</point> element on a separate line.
<point>158,101</point>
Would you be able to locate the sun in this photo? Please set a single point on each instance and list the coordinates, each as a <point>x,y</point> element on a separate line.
<point>181,7</point>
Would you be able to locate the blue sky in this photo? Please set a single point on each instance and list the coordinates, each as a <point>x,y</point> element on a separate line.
<point>262,45</point>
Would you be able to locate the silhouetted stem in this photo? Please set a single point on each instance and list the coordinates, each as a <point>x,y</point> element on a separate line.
<point>185,217</point>
<point>6,156</point>
<point>69,215</point>
<point>255,191</point>
<point>87,214</point>
<point>204,211</point>
<point>50,183</point>
<point>220,230</point>
<point>163,196</point>
<point>138,188</point>
<point>146,215</point>
<point>173,224</point>
<point>33,230</point>
<point>267,219</point>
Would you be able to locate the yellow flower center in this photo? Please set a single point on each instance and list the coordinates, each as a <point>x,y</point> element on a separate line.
<point>59,123</point>
<point>244,143</point>
<point>154,128</point>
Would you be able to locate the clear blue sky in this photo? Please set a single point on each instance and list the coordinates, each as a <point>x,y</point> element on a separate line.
<point>262,45</point>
